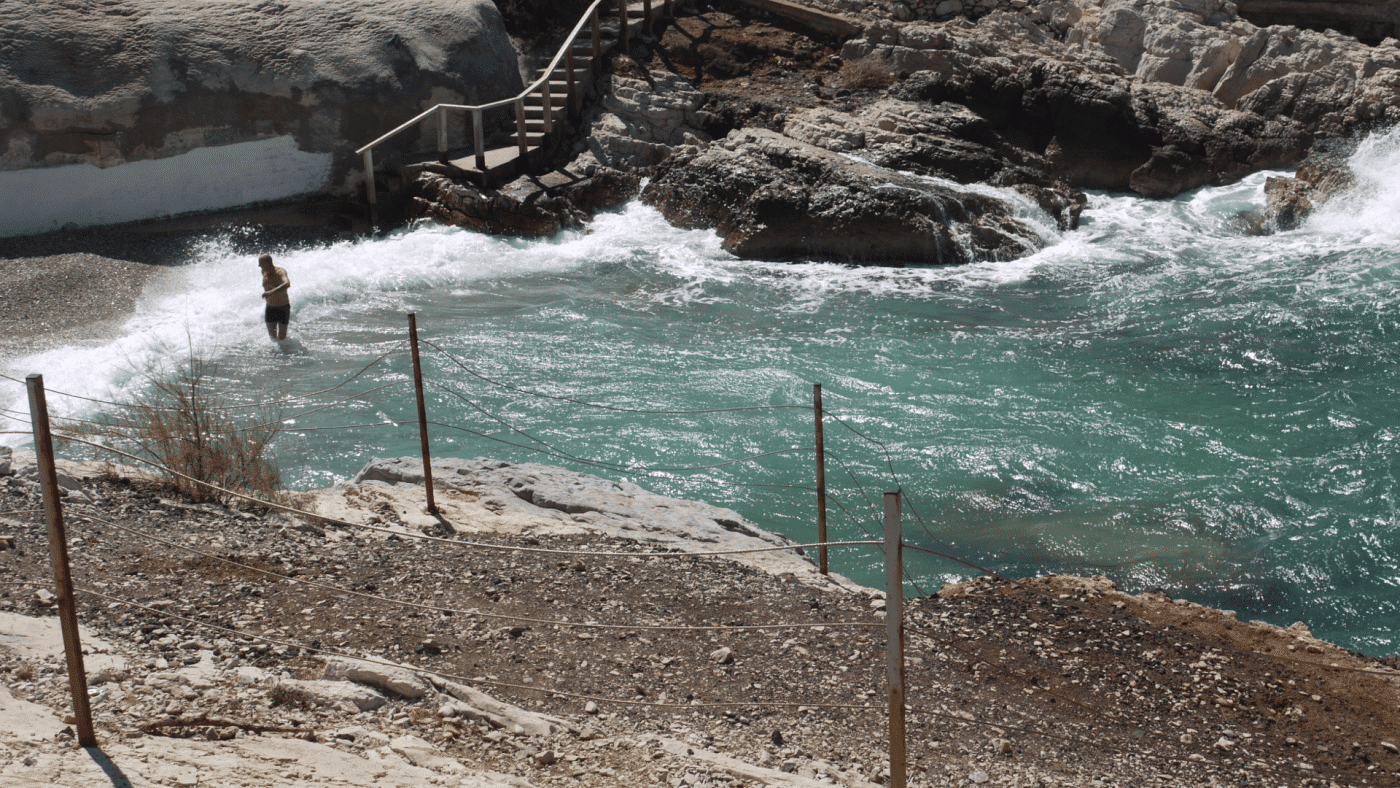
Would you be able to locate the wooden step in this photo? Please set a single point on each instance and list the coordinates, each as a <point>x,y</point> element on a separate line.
<point>533,139</point>
<point>537,100</point>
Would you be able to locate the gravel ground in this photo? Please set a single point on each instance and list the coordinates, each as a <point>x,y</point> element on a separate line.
<point>1050,682</point>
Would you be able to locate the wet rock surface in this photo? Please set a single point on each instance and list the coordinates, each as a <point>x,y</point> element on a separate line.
<point>773,197</point>
<point>528,206</point>
<point>1055,681</point>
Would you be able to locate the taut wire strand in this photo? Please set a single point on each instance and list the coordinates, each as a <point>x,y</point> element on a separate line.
<point>458,542</point>
<point>466,611</point>
<point>509,387</point>
<point>225,407</point>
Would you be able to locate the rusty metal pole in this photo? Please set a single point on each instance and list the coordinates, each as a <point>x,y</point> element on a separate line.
<point>58,551</point>
<point>821,478</point>
<point>422,412</point>
<point>894,634</point>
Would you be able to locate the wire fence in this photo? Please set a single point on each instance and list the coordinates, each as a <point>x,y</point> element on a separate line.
<point>99,437</point>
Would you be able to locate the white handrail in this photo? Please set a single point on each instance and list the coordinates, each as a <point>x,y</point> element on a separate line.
<point>590,15</point>
<point>548,72</point>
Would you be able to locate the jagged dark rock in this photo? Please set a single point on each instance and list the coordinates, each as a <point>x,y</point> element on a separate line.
<point>773,197</point>
<point>527,206</point>
<point>1287,202</point>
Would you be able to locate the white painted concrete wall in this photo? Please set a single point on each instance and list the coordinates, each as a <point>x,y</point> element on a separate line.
<point>40,200</point>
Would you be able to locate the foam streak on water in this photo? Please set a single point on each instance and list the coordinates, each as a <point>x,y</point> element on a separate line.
<point>1152,396</point>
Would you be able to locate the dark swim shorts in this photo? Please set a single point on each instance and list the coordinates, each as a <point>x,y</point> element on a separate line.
<point>278,314</point>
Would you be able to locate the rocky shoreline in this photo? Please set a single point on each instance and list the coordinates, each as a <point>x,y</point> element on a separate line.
<point>1043,98</point>
<point>1056,681</point>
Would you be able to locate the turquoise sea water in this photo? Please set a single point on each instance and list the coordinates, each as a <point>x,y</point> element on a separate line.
<point>1153,397</point>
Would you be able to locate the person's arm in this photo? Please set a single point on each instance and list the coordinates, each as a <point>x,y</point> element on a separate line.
<point>286,283</point>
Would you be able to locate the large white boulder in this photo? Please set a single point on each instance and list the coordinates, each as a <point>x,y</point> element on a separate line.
<point>107,84</point>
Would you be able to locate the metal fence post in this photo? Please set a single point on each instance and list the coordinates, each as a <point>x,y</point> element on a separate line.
<point>894,632</point>
<point>422,412</point>
<point>58,551</point>
<point>821,478</point>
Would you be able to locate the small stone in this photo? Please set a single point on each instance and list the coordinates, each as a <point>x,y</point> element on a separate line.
<point>722,656</point>
<point>1387,745</point>
<point>547,758</point>
<point>979,777</point>
<point>590,707</point>
<point>1224,744</point>
<point>45,597</point>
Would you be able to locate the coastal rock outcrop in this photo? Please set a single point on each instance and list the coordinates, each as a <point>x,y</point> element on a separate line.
<point>120,81</point>
<point>773,197</point>
<point>528,207</point>
<point>1097,126</point>
<point>642,117</point>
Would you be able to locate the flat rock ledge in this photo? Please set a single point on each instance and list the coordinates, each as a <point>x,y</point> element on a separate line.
<point>492,496</point>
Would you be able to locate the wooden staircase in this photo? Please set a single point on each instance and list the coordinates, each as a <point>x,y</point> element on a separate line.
<point>545,113</point>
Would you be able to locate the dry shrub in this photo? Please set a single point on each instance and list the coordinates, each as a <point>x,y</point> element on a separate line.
<point>25,671</point>
<point>866,73</point>
<point>287,695</point>
<point>183,424</point>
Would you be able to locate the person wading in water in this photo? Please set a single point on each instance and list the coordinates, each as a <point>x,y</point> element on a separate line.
<point>279,306</point>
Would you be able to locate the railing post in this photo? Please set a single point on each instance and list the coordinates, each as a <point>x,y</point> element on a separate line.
<point>442,134</point>
<point>478,141</point>
<point>58,552</point>
<point>369,183</point>
<point>821,478</point>
<point>521,135</point>
<point>422,413</point>
<point>646,16</point>
<point>623,34</point>
<point>548,104</point>
<point>670,7</point>
<point>570,93</point>
<point>894,634</point>
<point>597,41</point>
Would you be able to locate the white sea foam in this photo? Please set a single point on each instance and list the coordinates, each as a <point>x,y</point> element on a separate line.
<point>1367,212</point>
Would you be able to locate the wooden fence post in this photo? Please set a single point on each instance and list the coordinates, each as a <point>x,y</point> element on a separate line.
<point>821,478</point>
<point>58,551</point>
<point>894,632</point>
<point>422,413</point>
